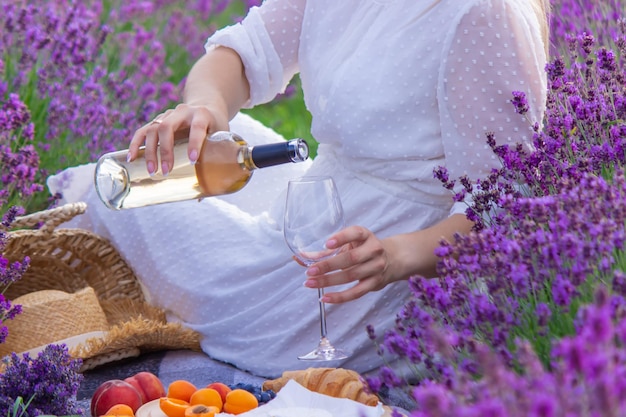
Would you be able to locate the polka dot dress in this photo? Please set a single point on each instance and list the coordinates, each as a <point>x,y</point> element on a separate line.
<point>396,89</point>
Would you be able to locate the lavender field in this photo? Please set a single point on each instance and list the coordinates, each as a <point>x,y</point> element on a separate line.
<point>78,77</point>
<point>528,315</point>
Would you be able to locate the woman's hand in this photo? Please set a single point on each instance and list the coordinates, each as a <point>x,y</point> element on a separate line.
<point>159,135</point>
<point>373,263</point>
<point>363,259</point>
<point>215,90</point>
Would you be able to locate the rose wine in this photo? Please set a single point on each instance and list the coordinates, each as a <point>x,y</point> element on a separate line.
<point>225,165</point>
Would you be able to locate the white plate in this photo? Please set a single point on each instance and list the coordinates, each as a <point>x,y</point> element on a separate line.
<point>293,400</point>
<point>150,409</point>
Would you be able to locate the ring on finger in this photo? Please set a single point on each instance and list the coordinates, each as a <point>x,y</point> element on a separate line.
<point>156,121</point>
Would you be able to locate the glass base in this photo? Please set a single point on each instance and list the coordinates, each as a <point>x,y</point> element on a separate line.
<point>325,352</point>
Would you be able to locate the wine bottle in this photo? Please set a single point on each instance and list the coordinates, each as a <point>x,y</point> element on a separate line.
<point>225,165</point>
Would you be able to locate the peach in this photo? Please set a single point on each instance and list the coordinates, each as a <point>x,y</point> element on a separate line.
<point>114,392</point>
<point>148,384</point>
<point>220,387</point>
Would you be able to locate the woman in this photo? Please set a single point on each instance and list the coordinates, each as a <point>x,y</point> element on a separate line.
<point>396,89</point>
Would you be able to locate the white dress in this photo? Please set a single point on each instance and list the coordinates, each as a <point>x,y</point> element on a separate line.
<point>396,88</point>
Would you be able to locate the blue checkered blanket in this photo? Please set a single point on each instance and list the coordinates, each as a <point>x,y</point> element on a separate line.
<point>195,367</point>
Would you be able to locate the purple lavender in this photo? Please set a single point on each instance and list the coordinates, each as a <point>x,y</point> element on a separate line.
<point>19,162</point>
<point>10,272</point>
<point>585,375</point>
<point>511,326</point>
<point>89,74</point>
<point>583,131</point>
<point>76,79</point>
<point>599,19</point>
<point>48,383</point>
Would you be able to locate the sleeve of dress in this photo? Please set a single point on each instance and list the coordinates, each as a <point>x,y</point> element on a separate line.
<point>267,40</point>
<point>495,49</point>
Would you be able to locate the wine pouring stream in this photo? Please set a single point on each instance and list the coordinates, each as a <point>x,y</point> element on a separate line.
<point>313,212</point>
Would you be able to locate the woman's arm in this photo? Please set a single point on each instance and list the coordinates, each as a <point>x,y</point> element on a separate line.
<point>245,64</point>
<point>215,90</point>
<point>495,48</point>
<point>217,81</point>
<point>374,263</point>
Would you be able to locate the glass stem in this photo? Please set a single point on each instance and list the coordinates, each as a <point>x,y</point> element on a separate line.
<point>320,293</point>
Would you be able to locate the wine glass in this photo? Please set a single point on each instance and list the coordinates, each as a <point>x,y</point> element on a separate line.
<point>313,212</point>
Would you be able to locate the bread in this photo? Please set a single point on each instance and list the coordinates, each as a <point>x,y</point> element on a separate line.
<point>335,382</point>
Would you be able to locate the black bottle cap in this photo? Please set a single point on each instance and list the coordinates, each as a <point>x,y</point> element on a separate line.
<point>295,150</point>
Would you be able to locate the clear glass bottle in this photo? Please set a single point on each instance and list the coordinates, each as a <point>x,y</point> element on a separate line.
<point>225,165</point>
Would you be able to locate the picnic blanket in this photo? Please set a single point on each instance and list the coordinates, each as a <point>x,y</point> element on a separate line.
<point>195,367</point>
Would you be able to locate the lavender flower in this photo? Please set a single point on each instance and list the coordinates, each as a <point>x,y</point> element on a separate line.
<point>585,376</point>
<point>511,296</point>
<point>88,85</point>
<point>50,382</point>
<point>76,79</point>
<point>10,272</point>
<point>520,102</point>
<point>526,271</point>
<point>8,311</point>
<point>584,131</point>
<point>573,17</point>
<point>19,161</point>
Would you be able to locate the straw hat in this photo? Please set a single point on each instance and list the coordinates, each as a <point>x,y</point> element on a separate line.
<point>79,291</point>
<point>51,315</point>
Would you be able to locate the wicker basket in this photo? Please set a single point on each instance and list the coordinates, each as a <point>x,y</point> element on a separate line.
<point>68,259</point>
<point>71,260</point>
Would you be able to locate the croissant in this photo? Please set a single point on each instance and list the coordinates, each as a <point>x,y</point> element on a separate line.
<point>335,382</point>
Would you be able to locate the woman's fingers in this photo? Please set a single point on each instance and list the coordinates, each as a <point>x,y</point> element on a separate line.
<point>359,246</point>
<point>199,126</point>
<point>352,293</point>
<point>150,153</point>
<point>372,270</point>
<point>363,262</point>
<point>350,234</point>
<point>367,283</point>
<point>139,137</point>
<point>158,136</point>
<point>172,121</point>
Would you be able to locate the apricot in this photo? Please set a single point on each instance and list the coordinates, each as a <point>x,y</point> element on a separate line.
<point>239,401</point>
<point>181,390</point>
<point>120,410</point>
<point>220,387</point>
<point>200,410</point>
<point>206,396</point>
<point>173,407</point>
